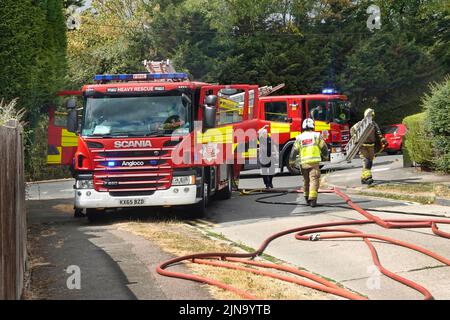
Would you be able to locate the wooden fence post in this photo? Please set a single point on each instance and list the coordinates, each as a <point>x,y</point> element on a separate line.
<point>13,229</point>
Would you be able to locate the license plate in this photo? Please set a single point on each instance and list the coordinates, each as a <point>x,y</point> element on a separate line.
<point>132,202</point>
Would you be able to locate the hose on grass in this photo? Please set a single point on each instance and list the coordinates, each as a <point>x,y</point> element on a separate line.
<point>317,232</point>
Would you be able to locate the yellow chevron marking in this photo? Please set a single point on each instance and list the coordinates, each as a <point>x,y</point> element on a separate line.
<point>216,135</point>
<point>321,125</point>
<point>55,158</point>
<point>68,139</point>
<point>294,134</point>
<point>277,127</point>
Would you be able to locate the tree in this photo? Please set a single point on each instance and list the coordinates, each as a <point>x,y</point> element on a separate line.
<point>437,110</point>
<point>32,59</point>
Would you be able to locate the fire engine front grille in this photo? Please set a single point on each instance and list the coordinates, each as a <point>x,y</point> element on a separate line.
<point>132,154</point>
<point>345,136</point>
<point>130,193</point>
<point>132,160</point>
<point>125,183</point>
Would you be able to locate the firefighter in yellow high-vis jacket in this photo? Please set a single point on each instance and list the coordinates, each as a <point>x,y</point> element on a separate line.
<point>312,149</point>
<point>374,143</point>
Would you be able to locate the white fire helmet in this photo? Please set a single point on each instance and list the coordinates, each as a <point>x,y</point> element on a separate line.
<point>308,123</point>
<point>369,111</point>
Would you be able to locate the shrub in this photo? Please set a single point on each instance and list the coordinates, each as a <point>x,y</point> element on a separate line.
<point>437,109</point>
<point>417,140</point>
<point>8,112</point>
<point>36,160</point>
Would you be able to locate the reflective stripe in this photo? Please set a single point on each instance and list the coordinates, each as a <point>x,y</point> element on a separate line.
<point>277,127</point>
<point>68,139</point>
<point>55,158</point>
<point>321,125</point>
<point>218,135</point>
<point>366,174</point>
<point>313,195</point>
<point>308,144</point>
<point>294,134</point>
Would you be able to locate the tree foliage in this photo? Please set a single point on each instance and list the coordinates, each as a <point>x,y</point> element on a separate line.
<point>32,53</point>
<point>307,44</point>
<point>437,106</point>
<point>32,57</point>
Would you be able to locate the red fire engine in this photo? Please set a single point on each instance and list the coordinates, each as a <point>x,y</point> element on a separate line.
<point>152,139</point>
<point>158,139</point>
<point>285,114</point>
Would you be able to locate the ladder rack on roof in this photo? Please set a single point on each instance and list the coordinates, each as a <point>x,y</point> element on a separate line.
<point>156,71</point>
<point>263,91</point>
<point>164,66</point>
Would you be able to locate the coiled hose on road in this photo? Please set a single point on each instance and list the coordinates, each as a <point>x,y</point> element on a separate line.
<point>333,230</point>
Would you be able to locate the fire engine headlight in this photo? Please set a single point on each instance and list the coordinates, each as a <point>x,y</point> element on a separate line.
<point>85,184</point>
<point>183,180</point>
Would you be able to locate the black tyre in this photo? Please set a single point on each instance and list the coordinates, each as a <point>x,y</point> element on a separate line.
<point>291,168</point>
<point>94,215</point>
<point>198,210</point>
<point>226,192</point>
<point>78,213</point>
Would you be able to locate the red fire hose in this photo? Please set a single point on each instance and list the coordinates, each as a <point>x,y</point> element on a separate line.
<point>238,261</point>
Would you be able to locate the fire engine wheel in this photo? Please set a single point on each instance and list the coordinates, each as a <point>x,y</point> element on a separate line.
<point>198,210</point>
<point>226,192</point>
<point>93,215</point>
<point>78,213</point>
<point>292,170</point>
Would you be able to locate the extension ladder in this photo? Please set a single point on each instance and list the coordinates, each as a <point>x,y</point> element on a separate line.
<point>164,66</point>
<point>362,131</point>
<point>262,91</point>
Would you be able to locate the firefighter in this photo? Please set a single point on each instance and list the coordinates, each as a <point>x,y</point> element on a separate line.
<point>319,113</point>
<point>268,156</point>
<point>367,150</point>
<point>311,149</point>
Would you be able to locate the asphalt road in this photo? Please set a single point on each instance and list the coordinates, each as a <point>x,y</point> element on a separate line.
<point>125,260</point>
<point>113,264</point>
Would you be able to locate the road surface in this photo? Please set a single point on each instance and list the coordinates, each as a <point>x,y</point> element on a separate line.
<point>125,259</point>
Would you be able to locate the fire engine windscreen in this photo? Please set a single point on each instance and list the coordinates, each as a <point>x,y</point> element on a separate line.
<point>141,116</point>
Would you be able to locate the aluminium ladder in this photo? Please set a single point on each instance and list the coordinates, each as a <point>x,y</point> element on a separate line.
<point>362,131</point>
<point>164,66</point>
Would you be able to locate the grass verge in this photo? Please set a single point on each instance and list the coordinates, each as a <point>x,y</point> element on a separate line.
<point>424,193</point>
<point>180,239</point>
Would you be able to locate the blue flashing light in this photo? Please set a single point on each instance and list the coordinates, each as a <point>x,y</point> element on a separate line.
<point>177,76</point>
<point>329,91</point>
<point>111,163</point>
<point>153,162</point>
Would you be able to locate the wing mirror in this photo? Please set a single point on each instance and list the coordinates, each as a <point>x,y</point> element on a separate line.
<point>209,112</point>
<point>72,116</point>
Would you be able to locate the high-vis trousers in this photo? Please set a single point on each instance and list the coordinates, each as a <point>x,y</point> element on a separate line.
<point>367,154</point>
<point>311,178</point>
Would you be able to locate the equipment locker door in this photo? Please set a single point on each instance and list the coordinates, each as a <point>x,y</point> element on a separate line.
<point>61,144</point>
<point>235,131</point>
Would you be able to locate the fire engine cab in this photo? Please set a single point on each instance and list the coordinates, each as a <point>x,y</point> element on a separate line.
<point>154,139</point>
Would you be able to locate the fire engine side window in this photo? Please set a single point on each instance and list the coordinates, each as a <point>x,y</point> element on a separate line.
<point>318,110</point>
<point>276,111</point>
<point>60,120</point>
<point>230,109</point>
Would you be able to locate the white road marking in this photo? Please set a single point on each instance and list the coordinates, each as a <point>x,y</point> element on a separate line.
<point>381,169</point>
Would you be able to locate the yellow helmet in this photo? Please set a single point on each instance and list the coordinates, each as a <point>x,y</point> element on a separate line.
<point>369,110</point>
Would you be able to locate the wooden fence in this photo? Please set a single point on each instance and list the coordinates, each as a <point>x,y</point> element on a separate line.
<point>13,227</point>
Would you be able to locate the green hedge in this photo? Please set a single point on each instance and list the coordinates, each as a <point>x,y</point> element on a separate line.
<point>437,109</point>
<point>417,140</point>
